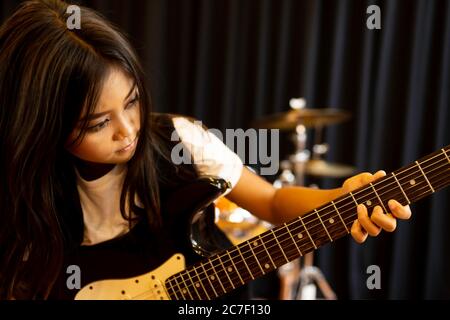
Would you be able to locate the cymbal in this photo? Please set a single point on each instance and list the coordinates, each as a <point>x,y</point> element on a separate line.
<point>321,168</point>
<point>307,117</point>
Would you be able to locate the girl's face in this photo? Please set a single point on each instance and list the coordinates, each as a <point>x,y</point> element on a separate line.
<point>113,129</point>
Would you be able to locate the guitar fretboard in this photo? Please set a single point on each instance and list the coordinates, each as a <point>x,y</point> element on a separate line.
<point>260,255</point>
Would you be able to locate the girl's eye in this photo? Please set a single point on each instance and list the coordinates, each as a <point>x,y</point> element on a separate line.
<point>99,126</point>
<point>103,124</point>
<point>133,102</point>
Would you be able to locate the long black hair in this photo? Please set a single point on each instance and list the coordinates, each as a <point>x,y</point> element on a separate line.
<point>49,74</point>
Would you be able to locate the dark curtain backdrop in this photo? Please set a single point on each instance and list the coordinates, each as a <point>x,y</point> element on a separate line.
<point>228,62</point>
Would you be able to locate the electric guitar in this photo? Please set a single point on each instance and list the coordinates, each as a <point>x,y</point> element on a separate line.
<point>224,271</point>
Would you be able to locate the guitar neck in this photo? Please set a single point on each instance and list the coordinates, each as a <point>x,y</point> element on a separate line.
<point>260,255</point>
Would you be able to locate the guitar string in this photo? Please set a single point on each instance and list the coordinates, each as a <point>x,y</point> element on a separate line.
<point>310,247</point>
<point>317,219</point>
<point>356,193</point>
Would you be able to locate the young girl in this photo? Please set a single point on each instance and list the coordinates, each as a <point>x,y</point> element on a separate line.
<point>85,166</point>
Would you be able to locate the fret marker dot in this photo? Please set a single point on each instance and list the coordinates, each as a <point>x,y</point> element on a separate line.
<point>255,243</point>
<point>212,277</point>
<point>412,182</point>
<point>300,235</point>
<point>267,266</point>
<point>369,203</point>
<point>197,285</point>
<point>331,220</point>
<point>229,269</point>
<point>184,291</point>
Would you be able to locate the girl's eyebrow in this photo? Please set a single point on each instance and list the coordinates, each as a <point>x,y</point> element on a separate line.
<point>100,114</point>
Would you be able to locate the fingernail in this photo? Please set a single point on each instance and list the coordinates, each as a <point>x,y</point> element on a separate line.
<point>392,204</point>
<point>381,172</point>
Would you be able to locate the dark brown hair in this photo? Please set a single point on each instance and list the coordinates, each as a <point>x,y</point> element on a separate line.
<point>49,74</point>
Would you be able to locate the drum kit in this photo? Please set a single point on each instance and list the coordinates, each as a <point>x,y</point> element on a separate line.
<point>299,279</point>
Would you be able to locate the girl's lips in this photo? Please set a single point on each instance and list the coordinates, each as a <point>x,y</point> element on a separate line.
<point>129,147</point>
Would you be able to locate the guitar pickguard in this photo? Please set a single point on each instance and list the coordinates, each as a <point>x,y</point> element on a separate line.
<point>149,286</point>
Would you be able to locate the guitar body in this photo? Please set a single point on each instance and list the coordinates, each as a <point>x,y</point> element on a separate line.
<point>149,286</point>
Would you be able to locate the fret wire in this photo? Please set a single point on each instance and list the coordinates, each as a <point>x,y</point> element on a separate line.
<point>445,153</point>
<point>179,287</point>
<point>315,229</point>
<point>256,257</point>
<point>209,280</point>
<point>276,239</point>
<point>293,239</point>
<point>243,259</point>
<point>444,180</point>
<point>330,219</point>
<point>182,282</point>
<point>265,260</point>
<point>268,254</point>
<point>306,244</point>
<point>439,172</point>
<point>231,269</point>
<point>401,188</point>
<point>172,289</point>
<point>348,231</point>
<point>337,227</point>
<point>195,287</point>
<point>420,195</point>
<point>337,231</point>
<point>226,272</point>
<point>300,218</point>
<point>417,192</point>
<point>186,286</point>
<point>169,289</point>
<point>217,276</point>
<point>381,202</point>
<point>252,251</point>
<point>417,183</point>
<point>285,239</point>
<point>356,202</point>
<point>236,269</point>
<point>331,239</point>
<point>425,176</point>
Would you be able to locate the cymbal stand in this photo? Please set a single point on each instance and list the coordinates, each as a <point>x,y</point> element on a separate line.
<point>320,148</point>
<point>301,155</point>
<point>310,276</point>
<point>304,280</point>
<point>288,274</point>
